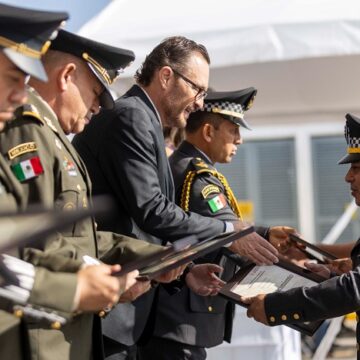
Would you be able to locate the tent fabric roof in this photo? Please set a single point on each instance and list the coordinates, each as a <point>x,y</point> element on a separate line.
<point>234,31</point>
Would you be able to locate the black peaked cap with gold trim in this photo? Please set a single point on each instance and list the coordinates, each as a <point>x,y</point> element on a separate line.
<point>352,137</point>
<point>105,61</point>
<point>231,104</point>
<point>25,35</point>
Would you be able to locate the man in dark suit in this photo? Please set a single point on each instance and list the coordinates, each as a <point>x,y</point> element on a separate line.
<point>124,152</point>
<point>186,323</point>
<point>334,297</point>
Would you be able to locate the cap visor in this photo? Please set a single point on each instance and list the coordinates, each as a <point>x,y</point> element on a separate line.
<point>31,66</point>
<point>350,158</point>
<point>106,99</point>
<point>238,121</point>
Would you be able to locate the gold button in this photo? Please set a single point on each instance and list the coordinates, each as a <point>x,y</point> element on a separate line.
<point>18,313</point>
<point>272,319</point>
<point>296,316</point>
<point>102,313</point>
<point>210,308</point>
<point>56,325</point>
<point>78,187</point>
<point>69,206</point>
<point>283,317</point>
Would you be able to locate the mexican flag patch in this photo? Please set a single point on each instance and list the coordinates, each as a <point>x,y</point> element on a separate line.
<point>217,203</point>
<point>27,169</point>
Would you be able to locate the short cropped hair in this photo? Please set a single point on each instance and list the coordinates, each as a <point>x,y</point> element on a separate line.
<point>198,118</point>
<point>172,51</point>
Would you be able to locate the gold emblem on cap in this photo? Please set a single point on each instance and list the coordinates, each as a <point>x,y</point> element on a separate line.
<point>20,47</point>
<point>103,72</point>
<point>250,103</point>
<point>216,110</point>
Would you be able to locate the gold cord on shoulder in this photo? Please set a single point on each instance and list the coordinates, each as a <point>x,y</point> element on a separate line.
<point>186,189</point>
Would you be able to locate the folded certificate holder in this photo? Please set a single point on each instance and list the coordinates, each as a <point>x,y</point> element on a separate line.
<point>180,252</point>
<point>312,251</point>
<point>252,280</point>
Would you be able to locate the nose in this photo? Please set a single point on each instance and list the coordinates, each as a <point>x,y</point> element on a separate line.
<point>238,138</point>
<point>18,96</point>
<point>199,104</point>
<point>349,176</point>
<point>95,108</point>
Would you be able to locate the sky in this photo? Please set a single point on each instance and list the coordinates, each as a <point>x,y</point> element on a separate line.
<point>80,10</point>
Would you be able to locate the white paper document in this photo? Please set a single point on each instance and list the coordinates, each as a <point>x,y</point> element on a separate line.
<point>269,279</point>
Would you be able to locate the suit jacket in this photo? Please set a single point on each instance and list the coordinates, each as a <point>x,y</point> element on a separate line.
<point>331,298</point>
<point>52,174</point>
<point>124,152</point>
<point>186,317</point>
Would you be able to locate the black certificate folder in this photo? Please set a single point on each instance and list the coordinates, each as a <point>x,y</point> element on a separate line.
<point>179,253</point>
<point>252,280</point>
<point>191,253</point>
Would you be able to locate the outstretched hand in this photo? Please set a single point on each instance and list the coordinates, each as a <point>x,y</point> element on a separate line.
<point>256,248</point>
<point>202,280</point>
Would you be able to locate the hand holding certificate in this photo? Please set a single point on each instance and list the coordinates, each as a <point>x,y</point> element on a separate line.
<point>250,285</point>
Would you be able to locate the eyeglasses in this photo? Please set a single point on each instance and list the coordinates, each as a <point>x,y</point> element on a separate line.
<point>200,92</point>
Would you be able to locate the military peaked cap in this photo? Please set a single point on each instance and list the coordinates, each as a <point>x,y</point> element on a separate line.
<point>25,35</point>
<point>231,104</point>
<point>105,61</point>
<point>352,137</point>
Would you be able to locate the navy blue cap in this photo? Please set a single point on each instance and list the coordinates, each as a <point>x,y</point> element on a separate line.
<point>352,137</point>
<point>231,104</point>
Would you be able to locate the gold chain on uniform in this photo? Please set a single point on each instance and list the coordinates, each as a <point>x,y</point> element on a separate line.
<point>185,193</point>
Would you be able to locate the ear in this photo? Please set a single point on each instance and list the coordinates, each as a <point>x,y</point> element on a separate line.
<point>164,76</point>
<point>208,132</point>
<point>66,75</point>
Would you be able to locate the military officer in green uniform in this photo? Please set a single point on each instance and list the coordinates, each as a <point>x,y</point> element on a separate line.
<point>64,288</point>
<point>187,323</point>
<point>339,295</point>
<point>24,37</point>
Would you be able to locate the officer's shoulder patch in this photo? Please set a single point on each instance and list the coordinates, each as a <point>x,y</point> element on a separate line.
<point>22,149</point>
<point>200,165</point>
<point>209,189</point>
<point>30,110</point>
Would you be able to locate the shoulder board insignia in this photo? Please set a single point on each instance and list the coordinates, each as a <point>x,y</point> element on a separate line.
<point>201,167</point>
<point>209,189</point>
<point>22,149</point>
<point>32,111</point>
<point>50,124</point>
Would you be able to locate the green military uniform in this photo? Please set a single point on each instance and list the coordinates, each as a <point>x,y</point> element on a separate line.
<point>51,173</point>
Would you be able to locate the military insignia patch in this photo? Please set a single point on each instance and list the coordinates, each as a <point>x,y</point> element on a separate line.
<point>69,166</point>
<point>209,189</point>
<point>28,169</point>
<point>217,203</point>
<point>21,149</point>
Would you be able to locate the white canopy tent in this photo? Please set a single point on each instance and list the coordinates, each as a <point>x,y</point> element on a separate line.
<point>234,31</point>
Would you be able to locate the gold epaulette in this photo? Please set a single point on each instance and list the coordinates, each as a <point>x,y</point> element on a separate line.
<point>30,110</point>
<point>200,168</point>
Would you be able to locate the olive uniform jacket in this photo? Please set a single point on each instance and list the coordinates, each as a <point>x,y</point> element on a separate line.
<point>13,333</point>
<point>52,174</point>
<point>124,151</point>
<point>185,317</point>
<point>334,297</point>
